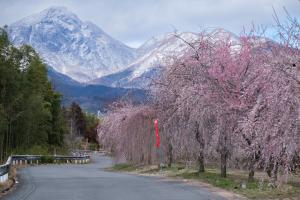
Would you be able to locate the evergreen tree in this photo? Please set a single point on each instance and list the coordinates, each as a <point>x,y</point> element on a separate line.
<point>30,110</point>
<point>78,120</point>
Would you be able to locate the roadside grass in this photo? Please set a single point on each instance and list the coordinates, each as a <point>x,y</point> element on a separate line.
<point>123,167</point>
<point>256,189</point>
<point>4,185</point>
<point>236,180</point>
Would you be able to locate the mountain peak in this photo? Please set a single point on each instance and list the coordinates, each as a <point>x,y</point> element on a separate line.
<point>54,13</point>
<point>75,48</point>
<point>57,8</point>
<point>57,11</point>
<point>221,33</point>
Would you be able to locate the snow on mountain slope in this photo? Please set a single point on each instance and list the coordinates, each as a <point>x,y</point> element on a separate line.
<point>82,51</point>
<point>159,51</point>
<point>155,53</point>
<point>72,47</point>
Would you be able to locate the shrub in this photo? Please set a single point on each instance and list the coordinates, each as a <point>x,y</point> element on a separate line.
<point>47,159</point>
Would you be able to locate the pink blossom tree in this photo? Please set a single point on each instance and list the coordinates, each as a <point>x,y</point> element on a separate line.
<point>233,99</point>
<point>127,132</point>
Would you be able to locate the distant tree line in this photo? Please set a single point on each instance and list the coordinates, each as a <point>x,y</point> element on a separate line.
<point>30,110</point>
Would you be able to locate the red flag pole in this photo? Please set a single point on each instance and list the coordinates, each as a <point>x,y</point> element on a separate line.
<point>157,133</point>
<point>157,136</point>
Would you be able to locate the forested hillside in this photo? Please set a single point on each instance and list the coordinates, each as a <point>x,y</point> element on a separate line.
<point>30,110</point>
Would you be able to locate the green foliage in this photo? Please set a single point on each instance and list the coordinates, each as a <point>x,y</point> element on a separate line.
<point>92,123</point>
<point>33,150</point>
<point>82,127</point>
<point>76,120</point>
<point>47,159</point>
<point>30,110</point>
<point>42,150</point>
<point>93,146</point>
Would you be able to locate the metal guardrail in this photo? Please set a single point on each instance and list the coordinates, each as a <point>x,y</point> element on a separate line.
<point>4,170</point>
<point>38,159</point>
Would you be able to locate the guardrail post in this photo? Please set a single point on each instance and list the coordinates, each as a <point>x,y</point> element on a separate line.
<point>4,178</point>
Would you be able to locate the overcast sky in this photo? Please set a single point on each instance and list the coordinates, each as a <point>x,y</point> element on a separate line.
<point>135,21</point>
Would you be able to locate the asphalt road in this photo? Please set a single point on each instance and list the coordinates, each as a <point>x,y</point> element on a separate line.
<point>92,182</point>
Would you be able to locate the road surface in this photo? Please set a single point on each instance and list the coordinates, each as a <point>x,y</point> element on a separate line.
<point>93,182</point>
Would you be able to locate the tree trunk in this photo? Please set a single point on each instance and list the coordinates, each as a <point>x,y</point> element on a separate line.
<point>274,175</point>
<point>272,171</point>
<point>200,162</point>
<point>251,175</point>
<point>149,160</point>
<point>170,150</point>
<point>223,165</point>
<point>251,171</point>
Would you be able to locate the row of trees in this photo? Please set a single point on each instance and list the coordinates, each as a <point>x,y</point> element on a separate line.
<point>30,110</point>
<point>31,117</point>
<point>236,103</point>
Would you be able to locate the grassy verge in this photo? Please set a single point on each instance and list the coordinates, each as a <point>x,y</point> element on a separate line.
<point>233,182</point>
<point>123,167</point>
<point>236,181</point>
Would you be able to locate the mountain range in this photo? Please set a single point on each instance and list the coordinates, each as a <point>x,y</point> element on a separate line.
<point>82,57</point>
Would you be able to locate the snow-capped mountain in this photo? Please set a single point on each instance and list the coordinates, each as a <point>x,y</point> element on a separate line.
<point>72,47</point>
<point>153,55</point>
<point>159,51</point>
<point>84,52</point>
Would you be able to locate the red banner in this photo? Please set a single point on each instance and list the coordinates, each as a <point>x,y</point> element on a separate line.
<point>157,133</point>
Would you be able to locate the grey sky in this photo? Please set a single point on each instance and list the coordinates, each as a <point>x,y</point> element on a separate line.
<point>135,21</point>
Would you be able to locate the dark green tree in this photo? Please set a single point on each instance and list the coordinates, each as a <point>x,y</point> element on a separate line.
<point>30,110</point>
